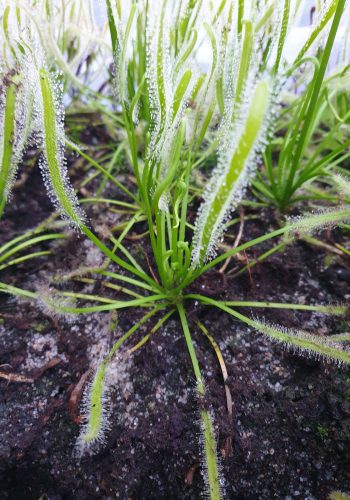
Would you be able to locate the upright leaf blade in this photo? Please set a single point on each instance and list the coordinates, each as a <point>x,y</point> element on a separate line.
<point>227,187</point>
<point>7,143</point>
<point>58,176</point>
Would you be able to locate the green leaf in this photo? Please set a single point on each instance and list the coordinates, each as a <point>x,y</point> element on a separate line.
<point>305,342</point>
<point>180,91</point>
<point>227,188</point>
<point>52,143</point>
<point>6,148</point>
<point>96,422</point>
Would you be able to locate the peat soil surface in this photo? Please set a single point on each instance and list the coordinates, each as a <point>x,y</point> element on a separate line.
<point>289,435</point>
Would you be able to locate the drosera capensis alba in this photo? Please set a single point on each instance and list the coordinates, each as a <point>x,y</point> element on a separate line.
<point>161,86</point>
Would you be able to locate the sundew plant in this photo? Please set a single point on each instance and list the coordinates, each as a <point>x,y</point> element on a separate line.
<point>174,112</point>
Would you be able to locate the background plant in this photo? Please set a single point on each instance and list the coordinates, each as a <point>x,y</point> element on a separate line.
<point>312,138</point>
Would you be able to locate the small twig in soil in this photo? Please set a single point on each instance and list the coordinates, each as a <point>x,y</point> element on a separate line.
<point>75,398</point>
<point>150,268</point>
<point>237,240</point>
<point>226,450</point>
<point>222,366</point>
<point>190,475</point>
<point>50,364</point>
<point>16,377</point>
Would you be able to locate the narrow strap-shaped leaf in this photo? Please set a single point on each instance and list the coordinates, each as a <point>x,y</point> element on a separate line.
<point>96,422</point>
<point>7,143</point>
<point>266,16</point>
<point>310,223</point>
<point>123,56</point>
<point>302,342</point>
<point>219,195</point>
<point>210,78</point>
<point>175,157</point>
<point>318,29</point>
<point>245,59</point>
<point>181,90</point>
<point>187,51</point>
<point>240,15</point>
<point>282,34</point>
<point>160,67</point>
<point>58,177</point>
<point>5,23</point>
<point>112,26</point>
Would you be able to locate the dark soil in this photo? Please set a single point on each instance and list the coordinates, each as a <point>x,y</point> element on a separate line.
<point>290,432</point>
